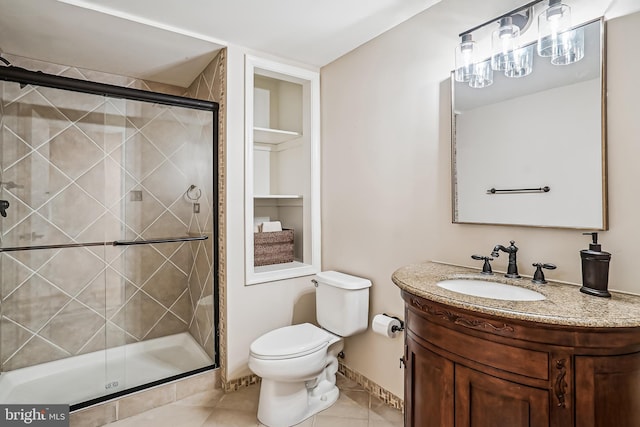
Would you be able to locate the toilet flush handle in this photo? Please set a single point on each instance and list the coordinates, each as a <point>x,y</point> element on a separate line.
<point>315,282</point>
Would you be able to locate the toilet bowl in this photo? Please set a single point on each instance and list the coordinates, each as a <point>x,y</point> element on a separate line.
<point>298,363</point>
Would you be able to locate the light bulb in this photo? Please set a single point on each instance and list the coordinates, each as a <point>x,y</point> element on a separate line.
<point>465,56</point>
<point>551,22</point>
<point>504,41</point>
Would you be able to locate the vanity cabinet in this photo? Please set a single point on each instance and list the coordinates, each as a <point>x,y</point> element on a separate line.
<point>428,387</point>
<point>466,368</point>
<point>605,380</point>
<point>483,400</point>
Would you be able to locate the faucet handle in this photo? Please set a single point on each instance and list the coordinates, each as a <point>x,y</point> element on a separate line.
<point>538,276</point>
<point>486,267</point>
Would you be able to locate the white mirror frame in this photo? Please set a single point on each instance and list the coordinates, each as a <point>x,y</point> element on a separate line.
<point>310,80</point>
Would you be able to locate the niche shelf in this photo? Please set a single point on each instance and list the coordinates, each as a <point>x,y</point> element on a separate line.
<point>278,196</point>
<point>280,268</point>
<point>282,170</point>
<point>274,136</point>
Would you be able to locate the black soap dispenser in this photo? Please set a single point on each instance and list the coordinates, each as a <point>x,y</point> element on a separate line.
<point>595,269</point>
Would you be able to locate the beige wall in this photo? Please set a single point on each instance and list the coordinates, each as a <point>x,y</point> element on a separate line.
<point>386,175</point>
<point>250,310</point>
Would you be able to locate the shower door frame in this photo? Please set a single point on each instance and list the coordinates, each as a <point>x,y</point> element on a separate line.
<point>26,77</point>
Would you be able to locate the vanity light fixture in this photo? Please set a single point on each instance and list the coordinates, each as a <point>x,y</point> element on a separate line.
<point>482,75</point>
<point>521,63</point>
<point>465,58</point>
<point>504,41</point>
<point>570,47</point>
<point>552,23</point>
<point>555,36</point>
<point>556,40</point>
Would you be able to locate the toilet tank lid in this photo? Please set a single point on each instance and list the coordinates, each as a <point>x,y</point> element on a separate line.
<point>342,280</point>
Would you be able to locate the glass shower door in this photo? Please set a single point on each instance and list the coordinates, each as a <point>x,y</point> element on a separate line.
<point>166,190</point>
<point>52,298</point>
<point>106,252</point>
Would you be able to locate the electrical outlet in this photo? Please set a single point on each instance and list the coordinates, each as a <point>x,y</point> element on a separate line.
<point>135,196</point>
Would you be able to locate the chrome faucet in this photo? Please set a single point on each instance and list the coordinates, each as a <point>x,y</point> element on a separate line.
<point>512,269</point>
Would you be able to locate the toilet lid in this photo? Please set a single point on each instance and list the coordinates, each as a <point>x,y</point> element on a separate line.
<point>290,341</point>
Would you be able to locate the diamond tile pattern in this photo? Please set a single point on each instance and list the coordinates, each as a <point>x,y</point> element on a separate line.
<point>208,85</point>
<point>75,161</point>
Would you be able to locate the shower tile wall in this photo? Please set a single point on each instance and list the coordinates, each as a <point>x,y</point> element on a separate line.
<point>209,85</point>
<point>59,303</point>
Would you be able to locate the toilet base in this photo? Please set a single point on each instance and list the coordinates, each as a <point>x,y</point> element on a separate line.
<point>287,404</point>
<point>321,401</point>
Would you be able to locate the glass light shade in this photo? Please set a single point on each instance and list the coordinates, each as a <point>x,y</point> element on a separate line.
<point>465,57</point>
<point>552,22</point>
<point>572,47</point>
<point>522,64</point>
<point>482,75</point>
<point>503,42</point>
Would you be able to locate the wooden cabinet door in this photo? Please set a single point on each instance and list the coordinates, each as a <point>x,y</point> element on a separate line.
<point>608,391</point>
<point>486,401</point>
<point>428,388</point>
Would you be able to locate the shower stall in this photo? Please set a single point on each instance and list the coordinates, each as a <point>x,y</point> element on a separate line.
<point>108,250</point>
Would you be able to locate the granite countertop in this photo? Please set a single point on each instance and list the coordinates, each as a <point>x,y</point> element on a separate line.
<point>564,303</point>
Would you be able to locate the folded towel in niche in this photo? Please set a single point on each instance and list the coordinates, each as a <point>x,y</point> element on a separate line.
<point>257,223</point>
<point>271,226</point>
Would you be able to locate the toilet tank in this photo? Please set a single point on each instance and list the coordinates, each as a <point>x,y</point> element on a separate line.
<point>342,303</point>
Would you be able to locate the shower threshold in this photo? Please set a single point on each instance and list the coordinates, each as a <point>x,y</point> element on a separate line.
<point>94,375</point>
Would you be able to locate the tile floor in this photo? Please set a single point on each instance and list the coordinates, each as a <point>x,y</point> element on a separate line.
<point>354,408</point>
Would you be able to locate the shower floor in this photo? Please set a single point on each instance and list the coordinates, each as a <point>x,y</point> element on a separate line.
<point>81,378</point>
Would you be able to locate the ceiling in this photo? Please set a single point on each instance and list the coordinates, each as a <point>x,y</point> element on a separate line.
<point>171,42</point>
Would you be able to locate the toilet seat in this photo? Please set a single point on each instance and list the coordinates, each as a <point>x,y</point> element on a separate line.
<point>290,342</point>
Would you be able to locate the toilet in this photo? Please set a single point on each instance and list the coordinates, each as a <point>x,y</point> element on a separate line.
<point>298,363</point>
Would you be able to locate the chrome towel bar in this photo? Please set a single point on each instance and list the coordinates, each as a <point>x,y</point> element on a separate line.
<point>545,189</point>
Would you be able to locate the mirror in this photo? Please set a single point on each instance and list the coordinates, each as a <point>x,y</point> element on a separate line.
<point>531,151</point>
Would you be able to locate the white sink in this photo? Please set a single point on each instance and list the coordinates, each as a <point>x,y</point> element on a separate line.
<point>493,290</point>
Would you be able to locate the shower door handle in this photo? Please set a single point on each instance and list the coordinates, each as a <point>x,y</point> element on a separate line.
<point>4,205</point>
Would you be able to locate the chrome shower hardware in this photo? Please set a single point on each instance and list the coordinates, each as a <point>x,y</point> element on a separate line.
<point>192,195</point>
<point>4,205</point>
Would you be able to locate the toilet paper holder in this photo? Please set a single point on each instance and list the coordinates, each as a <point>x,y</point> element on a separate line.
<point>395,328</point>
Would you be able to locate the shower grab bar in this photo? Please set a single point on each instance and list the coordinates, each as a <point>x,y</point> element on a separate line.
<point>114,243</point>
